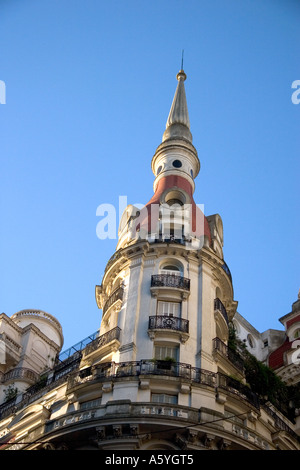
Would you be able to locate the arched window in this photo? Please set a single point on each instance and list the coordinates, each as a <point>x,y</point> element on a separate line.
<point>297,333</point>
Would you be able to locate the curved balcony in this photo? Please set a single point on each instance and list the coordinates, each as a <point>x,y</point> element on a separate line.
<point>227,270</point>
<point>222,352</point>
<point>20,373</point>
<point>109,340</point>
<point>218,306</point>
<point>221,318</point>
<point>165,324</point>
<point>113,371</point>
<point>170,283</point>
<point>116,296</point>
<point>145,367</point>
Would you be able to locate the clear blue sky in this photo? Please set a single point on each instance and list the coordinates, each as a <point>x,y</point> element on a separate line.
<point>89,85</point>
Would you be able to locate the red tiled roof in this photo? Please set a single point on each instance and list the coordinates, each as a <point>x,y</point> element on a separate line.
<point>276,358</point>
<point>293,320</point>
<point>199,224</point>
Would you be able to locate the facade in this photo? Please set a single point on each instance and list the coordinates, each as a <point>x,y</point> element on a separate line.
<point>160,373</point>
<point>29,343</point>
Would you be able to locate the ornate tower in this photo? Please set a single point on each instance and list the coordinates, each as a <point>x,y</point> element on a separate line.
<point>167,292</point>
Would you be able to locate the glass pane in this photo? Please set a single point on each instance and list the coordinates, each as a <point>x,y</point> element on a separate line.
<point>163,398</point>
<point>161,352</point>
<point>168,308</point>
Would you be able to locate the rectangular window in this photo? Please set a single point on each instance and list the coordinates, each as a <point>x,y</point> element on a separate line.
<point>164,398</point>
<point>161,352</point>
<point>87,405</point>
<point>169,308</point>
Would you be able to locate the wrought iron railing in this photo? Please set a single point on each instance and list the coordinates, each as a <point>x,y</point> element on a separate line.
<point>225,351</point>
<point>102,340</point>
<point>166,322</point>
<point>148,367</point>
<point>278,422</point>
<point>144,367</point>
<point>234,386</point>
<point>170,280</point>
<point>114,297</point>
<point>76,348</point>
<point>219,306</point>
<point>227,270</point>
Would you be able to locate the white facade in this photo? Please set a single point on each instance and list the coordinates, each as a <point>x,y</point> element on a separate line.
<point>29,341</point>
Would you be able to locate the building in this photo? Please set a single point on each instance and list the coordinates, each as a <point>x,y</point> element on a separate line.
<point>160,373</point>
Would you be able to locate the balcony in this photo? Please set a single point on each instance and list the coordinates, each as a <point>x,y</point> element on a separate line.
<point>171,284</point>
<point>221,318</point>
<point>20,373</point>
<point>105,342</point>
<point>222,352</point>
<point>145,367</point>
<point>115,297</point>
<point>167,322</point>
<point>164,325</point>
<point>219,307</point>
<point>113,372</point>
<point>237,388</point>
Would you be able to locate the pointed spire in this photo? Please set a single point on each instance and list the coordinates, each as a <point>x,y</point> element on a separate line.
<point>178,123</point>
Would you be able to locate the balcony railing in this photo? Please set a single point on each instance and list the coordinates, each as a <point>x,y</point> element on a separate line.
<point>227,270</point>
<point>68,354</point>
<point>58,375</point>
<point>234,386</point>
<point>115,296</point>
<point>170,280</point>
<point>148,367</point>
<point>102,340</point>
<point>279,423</point>
<point>166,322</point>
<point>219,306</point>
<point>111,370</point>
<point>20,373</point>
<point>218,345</point>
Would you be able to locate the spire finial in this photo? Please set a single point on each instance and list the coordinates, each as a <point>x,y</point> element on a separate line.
<point>181,75</point>
<point>178,123</point>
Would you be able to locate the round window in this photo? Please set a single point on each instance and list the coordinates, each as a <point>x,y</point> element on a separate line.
<point>177,163</point>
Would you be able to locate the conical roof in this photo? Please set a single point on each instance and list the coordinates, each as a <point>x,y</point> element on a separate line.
<point>178,123</point>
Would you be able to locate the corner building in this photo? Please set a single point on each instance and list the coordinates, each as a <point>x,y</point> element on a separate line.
<point>159,375</point>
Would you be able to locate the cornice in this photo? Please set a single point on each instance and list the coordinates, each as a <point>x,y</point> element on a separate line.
<point>11,323</point>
